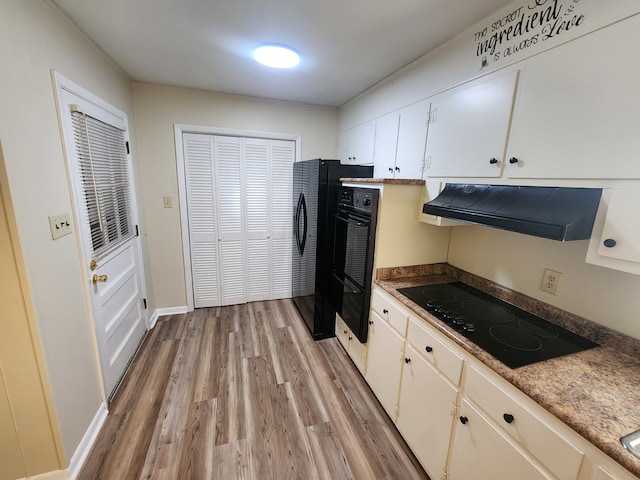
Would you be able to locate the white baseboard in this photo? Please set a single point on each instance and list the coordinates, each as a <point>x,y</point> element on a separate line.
<point>160,312</point>
<point>53,475</point>
<point>89,438</point>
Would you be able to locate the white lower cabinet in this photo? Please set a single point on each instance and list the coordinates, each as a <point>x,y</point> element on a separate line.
<point>482,452</point>
<point>462,420</point>
<point>356,350</point>
<point>385,347</point>
<point>426,410</point>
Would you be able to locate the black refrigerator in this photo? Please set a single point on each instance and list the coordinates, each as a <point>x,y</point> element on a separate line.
<point>315,198</point>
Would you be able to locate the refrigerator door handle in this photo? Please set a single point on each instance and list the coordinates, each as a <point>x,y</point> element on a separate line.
<point>303,243</point>
<point>301,208</point>
<point>296,224</point>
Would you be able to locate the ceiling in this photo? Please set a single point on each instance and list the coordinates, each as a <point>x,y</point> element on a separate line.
<point>346,46</point>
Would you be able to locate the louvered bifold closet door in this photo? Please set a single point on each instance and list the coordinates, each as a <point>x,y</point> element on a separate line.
<point>198,154</point>
<point>281,184</point>
<point>258,258</point>
<point>229,176</point>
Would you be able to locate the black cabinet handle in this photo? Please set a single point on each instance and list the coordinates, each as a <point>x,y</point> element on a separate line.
<point>493,161</point>
<point>513,160</point>
<point>370,322</point>
<point>428,349</point>
<point>397,169</point>
<point>508,418</point>
<point>391,169</point>
<point>385,311</point>
<point>407,360</point>
<point>345,332</point>
<point>464,420</point>
<point>350,338</point>
<point>609,243</point>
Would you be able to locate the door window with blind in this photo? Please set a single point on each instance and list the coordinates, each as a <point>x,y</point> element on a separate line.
<point>104,174</point>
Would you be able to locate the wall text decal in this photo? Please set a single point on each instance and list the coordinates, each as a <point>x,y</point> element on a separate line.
<point>528,25</point>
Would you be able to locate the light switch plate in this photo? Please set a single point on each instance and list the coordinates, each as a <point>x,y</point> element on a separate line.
<point>60,225</point>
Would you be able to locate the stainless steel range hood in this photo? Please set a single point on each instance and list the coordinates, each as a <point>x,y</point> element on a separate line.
<point>556,213</point>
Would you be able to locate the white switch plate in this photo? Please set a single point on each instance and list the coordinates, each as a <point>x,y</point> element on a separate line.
<point>60,225</point>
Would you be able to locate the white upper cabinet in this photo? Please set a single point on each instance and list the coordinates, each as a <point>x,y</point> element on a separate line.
<point>468,128</point>
<point>356,145</point>
<point>412,136</point>
<point>386,145</point>
<point>615,242</point>
<point>576,114</point>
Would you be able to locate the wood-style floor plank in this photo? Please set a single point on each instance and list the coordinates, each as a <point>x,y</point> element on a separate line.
<point>243,392</point>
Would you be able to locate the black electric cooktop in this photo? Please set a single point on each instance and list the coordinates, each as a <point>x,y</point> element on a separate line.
<point>513,336</point>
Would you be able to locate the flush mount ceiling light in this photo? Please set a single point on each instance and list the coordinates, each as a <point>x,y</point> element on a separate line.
<point>276,55</point>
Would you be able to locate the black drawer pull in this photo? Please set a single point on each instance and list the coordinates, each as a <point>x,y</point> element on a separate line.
<point>407,360</point>
<point>428,349</point>
<point>385,311</point>
<point>508,418</point>
<point>464,420</point>
<point>493,161</point>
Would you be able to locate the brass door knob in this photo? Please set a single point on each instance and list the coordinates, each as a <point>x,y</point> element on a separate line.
<point>98,278</point>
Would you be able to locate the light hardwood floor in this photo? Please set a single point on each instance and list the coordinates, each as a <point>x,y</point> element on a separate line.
<point>243,392</point>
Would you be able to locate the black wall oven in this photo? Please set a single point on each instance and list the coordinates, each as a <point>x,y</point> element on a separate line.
<point>315,199</point>
<point>353,251</point>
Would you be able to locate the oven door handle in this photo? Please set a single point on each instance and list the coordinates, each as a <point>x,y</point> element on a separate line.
<point>350,284</point>
<point>352,220</point>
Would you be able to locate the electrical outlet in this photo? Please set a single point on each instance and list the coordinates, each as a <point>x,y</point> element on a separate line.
<point>60,225</point>
<point>551,281</point>
<point>167,202</point>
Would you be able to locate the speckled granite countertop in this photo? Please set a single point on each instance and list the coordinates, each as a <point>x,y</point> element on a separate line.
<point>596,392</point>
<point>386,181</point>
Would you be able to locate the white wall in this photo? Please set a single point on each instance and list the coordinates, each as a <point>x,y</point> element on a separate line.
<point>606,296</point>
<point>157,109</point>
<point>34,39</point>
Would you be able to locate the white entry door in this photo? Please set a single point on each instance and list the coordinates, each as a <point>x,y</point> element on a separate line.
<point>99,165</point>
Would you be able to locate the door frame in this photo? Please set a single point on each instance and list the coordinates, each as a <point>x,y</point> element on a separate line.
<point>65,86</point>
<point>179,130</point>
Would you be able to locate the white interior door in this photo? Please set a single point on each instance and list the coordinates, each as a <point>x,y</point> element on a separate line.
<point>99,165</point>
<point>228,175</point>
<point>238,193</point>
<point>202,219</point>
<point>258,257</point>
<point>282,154</point>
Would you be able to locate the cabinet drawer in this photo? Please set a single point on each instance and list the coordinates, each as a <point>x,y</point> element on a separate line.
<point>435,351</point>
<point>388,309</point>
<point>532,432</point>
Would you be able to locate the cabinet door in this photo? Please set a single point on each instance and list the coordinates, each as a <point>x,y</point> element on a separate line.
<point>384,363</point>
<point>425,413</point>
<point>412,137</point>
<point>468,128</point>
<point>345,146</point>
<point>342,332</point>
<point>576,115</point>
<point>364,138</point>
<point>480,451</point>
<point>384,160</point>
